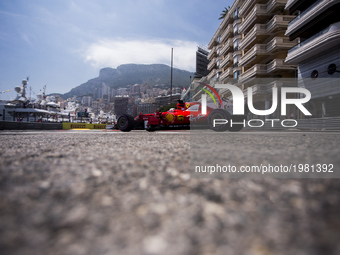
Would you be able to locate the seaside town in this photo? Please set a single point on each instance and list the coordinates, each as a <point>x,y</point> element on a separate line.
<point>258,46</point>
<point>103,107</point>
<point>213,127</point>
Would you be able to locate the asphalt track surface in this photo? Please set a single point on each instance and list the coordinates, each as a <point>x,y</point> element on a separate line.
<point>108,192</point>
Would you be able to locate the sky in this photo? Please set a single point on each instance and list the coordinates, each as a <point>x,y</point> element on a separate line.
<point>64,43</point>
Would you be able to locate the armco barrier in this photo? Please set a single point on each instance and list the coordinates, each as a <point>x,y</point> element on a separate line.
<point>13,125</point>
<point>67,125</point>
<point>303,124</point>
<point>319,124</point>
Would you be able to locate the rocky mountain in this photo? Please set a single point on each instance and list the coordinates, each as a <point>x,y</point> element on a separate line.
<point>157,75</point>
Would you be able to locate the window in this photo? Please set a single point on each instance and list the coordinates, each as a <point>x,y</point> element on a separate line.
<point>236,30</point>
<point>236,13</point>
<point>236,59</point>
<point>236,45</point>
<point>237,74</point>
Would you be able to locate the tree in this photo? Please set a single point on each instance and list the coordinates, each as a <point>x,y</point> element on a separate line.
<point>224,12</point>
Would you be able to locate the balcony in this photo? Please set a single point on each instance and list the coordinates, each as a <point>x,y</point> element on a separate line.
<point>237,37</point>
<point>214,40</point>
<point>197,94</point>
<point>228,73</point>
<point>256,50</point>
<point>280,43</point>
<point>257,69</point>
<point>247,7</point>
<point>226,33</point>
<point>324,40</point>
<point>278,65</point>
<point>228,19</point>
<point>265,69</point>
<point>256,90</point>
<point>271,5</point>
<point>245,93</point>
<point>290,3</point>
<point>212,74</point>
<point>237,68</point>
<point>212,64</point>
<point>259,89</point>
<point>275,45</point>
<point>256,34</point>
<point>279,22</point>
<point>309,14</point>
<point>252,17</point>
<point>227,47</point>
<point>212,43</point>
<point>237,22</point>
<point>228,59</point>
<point>212,53</point>
<point>267,89</point>
<point>279,84</point>
<point>237,53</point>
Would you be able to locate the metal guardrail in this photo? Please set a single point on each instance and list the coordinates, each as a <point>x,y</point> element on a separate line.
<point>332,123</point>
<point>310,39</point>
<point>304,12</point>
<point>320,124</point>
<point>13,125</point>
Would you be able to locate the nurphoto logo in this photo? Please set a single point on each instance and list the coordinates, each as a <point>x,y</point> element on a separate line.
<point>239,103</point>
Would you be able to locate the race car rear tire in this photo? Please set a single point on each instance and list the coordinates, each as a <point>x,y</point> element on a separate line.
<point>125,123</point>
<point>237,123</point>
<point>219,114</point>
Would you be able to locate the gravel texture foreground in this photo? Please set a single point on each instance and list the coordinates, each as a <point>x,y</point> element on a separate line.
<point>131,193</point>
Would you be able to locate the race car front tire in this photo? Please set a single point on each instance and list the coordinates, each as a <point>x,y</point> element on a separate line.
<point>237,123</point>
<point>125,123</point>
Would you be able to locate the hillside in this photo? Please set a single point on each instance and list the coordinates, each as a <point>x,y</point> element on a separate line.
<point>130,74</point>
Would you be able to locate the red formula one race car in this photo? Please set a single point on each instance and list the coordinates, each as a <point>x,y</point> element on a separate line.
<point>185,116</point>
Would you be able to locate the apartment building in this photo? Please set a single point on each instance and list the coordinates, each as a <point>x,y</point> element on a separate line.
<point>201,62</point>
<point>165,100</point>
<point>251,43</point>
<point>317,27</point>
<point>86,101</point>
<point>120,105</point>
<point>146,108</point>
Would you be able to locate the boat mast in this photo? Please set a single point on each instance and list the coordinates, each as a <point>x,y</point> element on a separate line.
<point>172,62</point>
<point>24,83</point>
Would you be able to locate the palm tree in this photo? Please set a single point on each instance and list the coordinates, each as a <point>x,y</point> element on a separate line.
<point>224,12</point>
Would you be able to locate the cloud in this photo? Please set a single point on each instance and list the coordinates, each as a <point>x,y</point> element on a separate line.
<point>30,39</point>
<point>115,52</point>
<point>14,14</point>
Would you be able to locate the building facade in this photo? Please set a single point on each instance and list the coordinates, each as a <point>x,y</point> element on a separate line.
<point>120,105</point>
<point>201,62</point>
<point>86,101</point>
<point>317,28</point>
<point>146,108</point>
<point>251,43</point>
<point>165,100</point>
